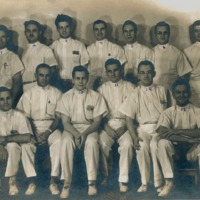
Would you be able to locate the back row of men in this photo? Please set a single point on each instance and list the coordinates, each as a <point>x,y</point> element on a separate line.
<point>94,121</point>
<point>169,61</point>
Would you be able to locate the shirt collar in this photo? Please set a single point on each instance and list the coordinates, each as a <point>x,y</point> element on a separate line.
<point>131,46</point>
<point>147,88</point>
<point>2,51</point>
<point>43,88</point>
<point>184,108</point>
<point>7,113</point>
<point>78,92</point>
<point>118,84</point>
<point>32,45</point>
<point>163,46</point>
<point>101,42</point>
<point>65,40</point>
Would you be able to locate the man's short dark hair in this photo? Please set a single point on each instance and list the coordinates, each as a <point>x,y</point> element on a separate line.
<point>5,29</point>
<point>133,24</point>
<point>42,65</point>
<point>80,69</point>
<point>5,89</point>
<point>63,18</point>
<point>113,61</point>
<point>99,21</point>
<point>180,81</point>
<point>162,23</point>
<point>196,23</point>
<point>146,62</point>
<point>39,26</point>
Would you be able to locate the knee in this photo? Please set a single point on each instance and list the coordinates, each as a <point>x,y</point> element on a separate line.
<point>12,146</point>
<point>154,146</point>
<point>91,142</point>
<point>127,144</point>
<point>144,147</point>
<point>163,144</point>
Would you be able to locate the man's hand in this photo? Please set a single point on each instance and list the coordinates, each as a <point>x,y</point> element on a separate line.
<point>136,143</point>
<point>112,133</point>
<point>43,137</point>
<point>78,142</point>
<point>120,131</point>
<point>3,153</point>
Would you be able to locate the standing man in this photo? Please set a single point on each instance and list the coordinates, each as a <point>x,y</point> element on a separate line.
<point>145,105</point>
<point>102,50</point>
<point>192,53</point>
<point>39,105</point>
<point>134,51</point>
<point>16,143</point>
<point>10,65</point>
<point>115,91</point>
<point>179,128</point>
<point>35,54</point>
<point>68,52</point>
<point>170,62</point>
<point>81,111</point>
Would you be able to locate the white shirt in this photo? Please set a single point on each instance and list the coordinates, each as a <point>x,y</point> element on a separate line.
<point>69,53</point>
<point>114,95</point>
<point>170,63</point>
<point>10,64</point>
<point>145,104</point>
<point>36,54</point>
<point>82,106</point>
<point>177,117</point>
<point>100,52</point>
<point>13,120</point>
<point>135,53</point>
<point>192,53</point>
<point>39,104</point>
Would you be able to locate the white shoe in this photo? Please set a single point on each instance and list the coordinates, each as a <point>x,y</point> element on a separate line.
<point>54,189</point>
<point>166,189</point>
<point>123,187</point>
<point>31,189</point>
<point>13,190</point>
<point>92,190</point>
<point>142,188</point>
<point>65,192</point>
<point>159,189</point>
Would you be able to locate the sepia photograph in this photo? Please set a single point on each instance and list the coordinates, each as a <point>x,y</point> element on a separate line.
<point>99,100</point>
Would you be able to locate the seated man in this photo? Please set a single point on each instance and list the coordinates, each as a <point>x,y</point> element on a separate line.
<point>145,105</point>
<point>179,123</point>
<point>39,105</point>
<point>16,143</point>
<point>115,92</point>
<point>81,112</point>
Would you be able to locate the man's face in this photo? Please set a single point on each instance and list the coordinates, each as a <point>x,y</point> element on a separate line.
<point>3,40</point>
<point>197,33</point>
<point>5,101</point>
<point>99,31</point>
<point>80,80</point>
<point>129,34</point>
<point>64,29</point>
<point>146,75</point>
<point>32,33</point>
<point>43,77</point>
<point>114,73</point>
<point>162,35</point>
<point>181,95</point>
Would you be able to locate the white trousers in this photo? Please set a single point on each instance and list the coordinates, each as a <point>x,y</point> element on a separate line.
<point>166,151</point>
<point>148,150</point>
<point>125,150</point>
<point>91,154</point>
<point>17,152</point>
<point>54,142</point>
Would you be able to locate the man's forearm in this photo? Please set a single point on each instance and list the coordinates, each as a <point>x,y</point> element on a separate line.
<point>131,127</point>
<point>19,138</point>
<point>70,129</point>
<point>92,128</point>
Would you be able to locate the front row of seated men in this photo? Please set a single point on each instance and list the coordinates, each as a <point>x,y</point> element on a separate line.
<point>95,121</point>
